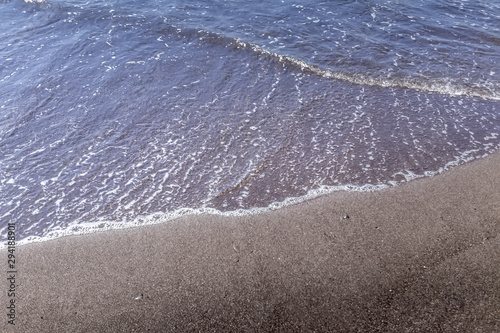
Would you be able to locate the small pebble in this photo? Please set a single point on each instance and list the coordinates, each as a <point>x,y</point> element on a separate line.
<point>138,297</point>
<point>345,217</point>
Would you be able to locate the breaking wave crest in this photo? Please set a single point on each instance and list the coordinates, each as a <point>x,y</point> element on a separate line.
<point>440,86</point>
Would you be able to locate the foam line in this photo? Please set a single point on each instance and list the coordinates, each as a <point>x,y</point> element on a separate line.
<point>445,88</point>
<point>160,217</point>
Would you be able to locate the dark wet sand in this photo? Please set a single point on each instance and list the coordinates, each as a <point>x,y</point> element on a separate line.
<point>422,257</point>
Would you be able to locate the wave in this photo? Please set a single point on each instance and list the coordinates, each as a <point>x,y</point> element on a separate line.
<point>162,25</point>
<point>162,217</point>
<point>441,86</point>
<point>444,86</point>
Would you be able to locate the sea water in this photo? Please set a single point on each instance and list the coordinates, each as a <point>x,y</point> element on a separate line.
<point>122,113</point>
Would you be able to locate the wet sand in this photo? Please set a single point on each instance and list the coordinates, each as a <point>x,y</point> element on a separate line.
<point>421,257</point>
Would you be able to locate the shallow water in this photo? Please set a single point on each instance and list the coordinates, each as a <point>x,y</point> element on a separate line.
<point>119,113</point>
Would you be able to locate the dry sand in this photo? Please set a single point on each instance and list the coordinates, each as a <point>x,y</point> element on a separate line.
<point>421,257</point>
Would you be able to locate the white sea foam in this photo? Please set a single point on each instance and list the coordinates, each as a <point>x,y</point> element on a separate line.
<point>79,228</point>
<point>156,218</point>
<point>437,86</point>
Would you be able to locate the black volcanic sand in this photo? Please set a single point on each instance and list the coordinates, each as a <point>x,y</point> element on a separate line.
<point>420,257</point>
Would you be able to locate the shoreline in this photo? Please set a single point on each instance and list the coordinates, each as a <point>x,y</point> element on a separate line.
<point>418,257</point>
<point>159,218</point>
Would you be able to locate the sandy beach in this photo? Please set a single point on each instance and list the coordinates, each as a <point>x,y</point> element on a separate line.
<point>420,257</point>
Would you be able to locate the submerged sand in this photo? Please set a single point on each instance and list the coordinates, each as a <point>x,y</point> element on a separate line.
<point>420,257</point>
